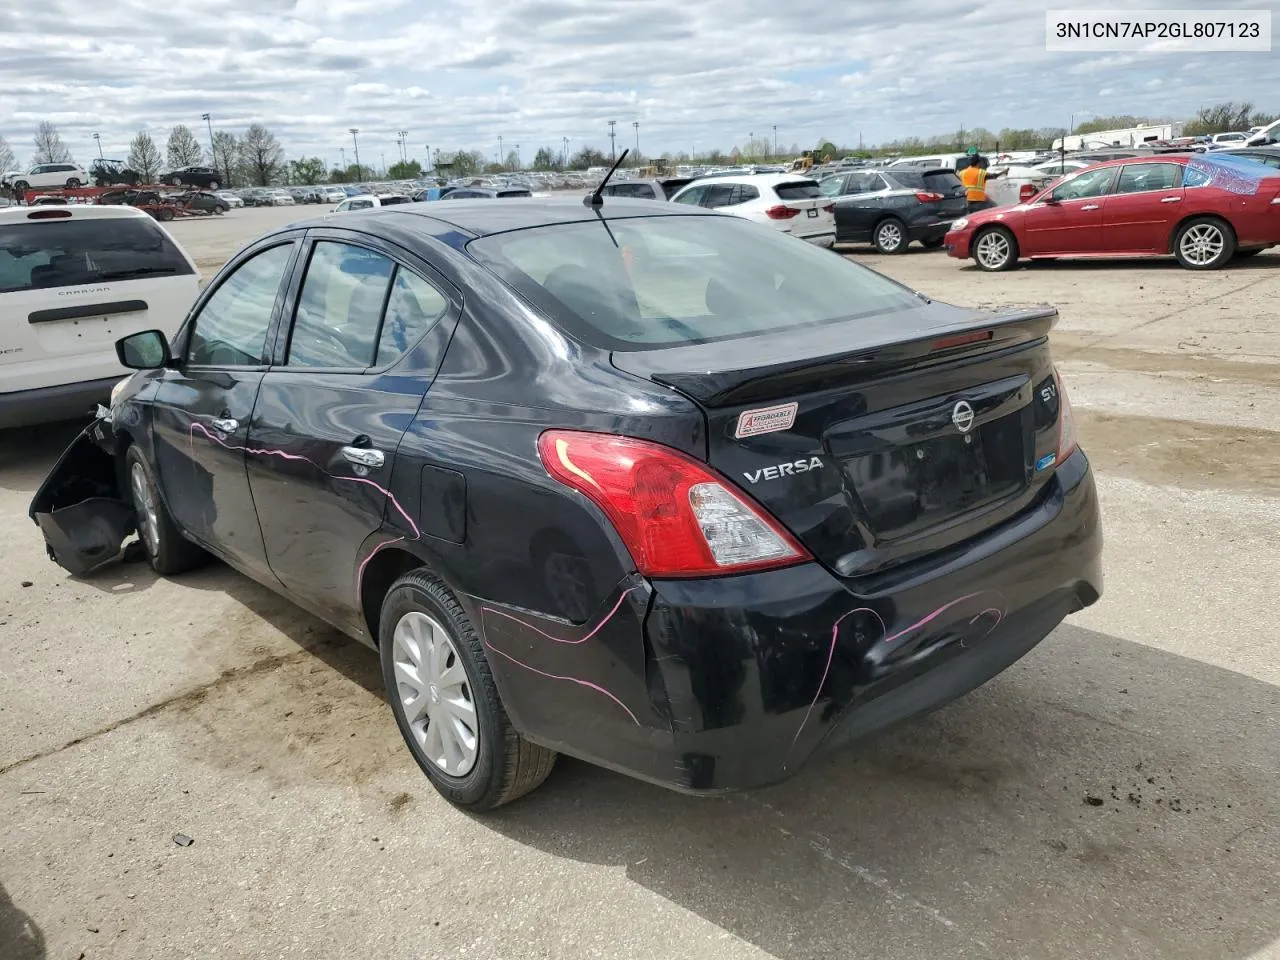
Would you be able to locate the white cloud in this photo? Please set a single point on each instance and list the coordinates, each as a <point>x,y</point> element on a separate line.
<point>461,73</point>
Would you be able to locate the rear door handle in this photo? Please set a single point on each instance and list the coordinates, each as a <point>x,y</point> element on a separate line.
<point>1171,200</point>
<point>364,457</point>
<point>1090,206</point>
<point>225,424</point>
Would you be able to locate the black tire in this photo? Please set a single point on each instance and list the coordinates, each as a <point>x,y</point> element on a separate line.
<point>220,209</point>
<point>506,765</point>
<point>73,183</point>
<point>164,214</point>
<point>997,261</point>
<point>169,552</point>
<point>933,244</point>
<point>20,187</point>
<point>1216,234</point>
<point>213,184</point>
<point>890,236</point>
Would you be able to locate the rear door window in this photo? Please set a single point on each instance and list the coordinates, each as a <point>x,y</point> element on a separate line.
<point>693,196</point>
<point>413,308</point>
<point>44,254</point>
<point>1141,177</point>
<point>340,307</point>
<point>797,190</point>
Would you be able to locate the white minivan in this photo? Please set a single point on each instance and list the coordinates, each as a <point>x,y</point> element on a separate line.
<point>73,280</point>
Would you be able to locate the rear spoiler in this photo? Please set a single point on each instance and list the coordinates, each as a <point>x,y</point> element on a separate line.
<point>723,373</point>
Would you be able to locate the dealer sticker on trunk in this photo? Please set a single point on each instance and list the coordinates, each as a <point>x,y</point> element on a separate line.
<point>766,420</point>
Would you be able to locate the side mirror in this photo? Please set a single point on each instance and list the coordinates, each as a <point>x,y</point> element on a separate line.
<point>148,350</point>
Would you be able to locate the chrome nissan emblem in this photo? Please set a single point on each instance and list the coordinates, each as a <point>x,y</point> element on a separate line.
<point>962,416</point>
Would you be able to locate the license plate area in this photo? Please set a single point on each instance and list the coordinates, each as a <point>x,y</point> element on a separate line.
<point>813,212</point>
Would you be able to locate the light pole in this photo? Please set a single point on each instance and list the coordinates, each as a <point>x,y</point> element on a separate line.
<point>564,153</point>
<point>383,154</point>
<point>613,152</point>
<point>97,138</point>
<point>775,142</point>
<point>502,160</point>
<point>751,144</point>
<point>428,158</point>
<point>636,124</point>
<point>518,167</point>
<point>404,139</point>
<point>355,143</point>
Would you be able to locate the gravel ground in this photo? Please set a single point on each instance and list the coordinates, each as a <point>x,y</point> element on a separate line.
<point>1115,794</point>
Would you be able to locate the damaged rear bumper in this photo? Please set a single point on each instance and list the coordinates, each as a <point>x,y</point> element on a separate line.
<point>80,508</point>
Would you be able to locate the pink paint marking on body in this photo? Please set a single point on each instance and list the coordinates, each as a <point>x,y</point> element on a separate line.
<point>578,680</point>
<point>365,562</point>
<point>524,623</point>
<point>831,653</point>
<point>298,458</point>
<point>937,613</point>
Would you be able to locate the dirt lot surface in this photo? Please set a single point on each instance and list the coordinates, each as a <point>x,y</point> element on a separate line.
<point>1114,795</point>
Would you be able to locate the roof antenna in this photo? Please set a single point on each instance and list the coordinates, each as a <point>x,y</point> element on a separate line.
<point>595,199</point>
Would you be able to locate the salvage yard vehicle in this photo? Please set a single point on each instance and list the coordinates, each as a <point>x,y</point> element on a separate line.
<point>654,188</point>
<point>44,175</point>
<point>207,178</point>
<point>108,173</point>
<point>636,482</point>
<point>1202,209</point>
<point>892,208</point>
<point>788,203</point>
<point>73,279</point>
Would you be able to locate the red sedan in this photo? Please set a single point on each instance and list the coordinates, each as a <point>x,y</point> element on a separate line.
<point>1203,209</point>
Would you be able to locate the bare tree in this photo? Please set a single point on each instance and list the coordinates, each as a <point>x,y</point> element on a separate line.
<point>49,145</point>
<point>183,148</point>
<point>261,154</point>
<point>7,160</point>
<point>144,157</point>
<point>226,154</point>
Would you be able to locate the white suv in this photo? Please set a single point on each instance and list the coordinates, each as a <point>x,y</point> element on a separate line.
<point>73,280</point>
<point>45,175</point>
<point>786,202</point>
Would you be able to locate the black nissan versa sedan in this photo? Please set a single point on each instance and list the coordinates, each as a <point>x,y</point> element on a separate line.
<point>651,486</point>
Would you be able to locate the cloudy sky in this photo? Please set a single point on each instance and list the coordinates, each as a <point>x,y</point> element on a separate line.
<point>694,73</point>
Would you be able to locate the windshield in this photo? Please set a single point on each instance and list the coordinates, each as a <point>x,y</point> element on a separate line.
<point>42,254</point>
<point>643,283</point>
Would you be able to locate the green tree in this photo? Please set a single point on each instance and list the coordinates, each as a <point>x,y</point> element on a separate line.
<point>827,149</point>
<point>144,157</point>
<point>226,155</point>
<point>588,157</point>
<point>1223,118</point>
<point>49,145</point>
<point>261,155</point>
<point>405,170</point>
<point>307,170</point>
<point>183,149</point>
<point>546,159</point>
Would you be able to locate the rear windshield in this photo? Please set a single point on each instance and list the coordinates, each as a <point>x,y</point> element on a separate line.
<point>937,179</point>
<point>42,254</point>
<point>636,284</point>
<point>798,190</point>
<point>672,187</point>
<point>392,201</point>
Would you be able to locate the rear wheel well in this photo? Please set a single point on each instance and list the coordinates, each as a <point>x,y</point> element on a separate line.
<point>382,570</point>
<point>1177,227</point>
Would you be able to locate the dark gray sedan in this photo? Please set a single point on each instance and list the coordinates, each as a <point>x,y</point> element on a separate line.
<point>891,208</point>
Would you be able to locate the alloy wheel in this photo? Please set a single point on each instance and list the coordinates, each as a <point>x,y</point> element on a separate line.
<point>144,505</point>
<point>889,236</point>
<point>1202,244</point>
<point>433,690</point>
<point>993,250</point>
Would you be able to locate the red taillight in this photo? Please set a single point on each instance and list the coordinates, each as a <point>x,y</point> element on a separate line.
<point>1066,421</point>
<point>1026,192</point>
<point>780,212</point>
<point>676,516</point>
<point>930,197</point>
<point>828,208</point>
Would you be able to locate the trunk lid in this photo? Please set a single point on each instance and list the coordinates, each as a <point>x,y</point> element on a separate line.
<point>940,423</point>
